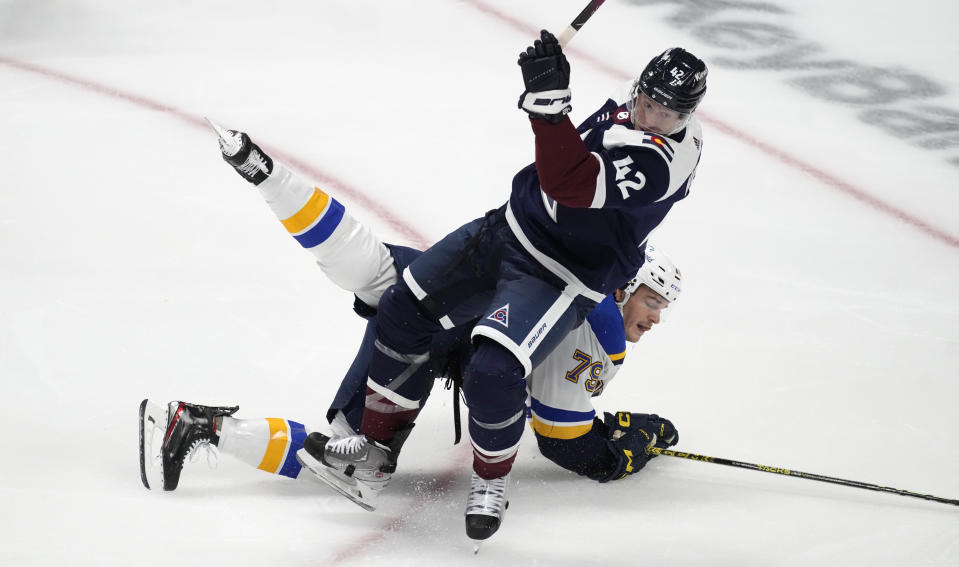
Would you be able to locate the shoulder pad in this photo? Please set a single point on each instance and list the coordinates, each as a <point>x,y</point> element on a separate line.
<point>606,321</point>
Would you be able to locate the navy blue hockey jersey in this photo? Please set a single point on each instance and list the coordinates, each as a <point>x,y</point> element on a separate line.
<point>622,186</point>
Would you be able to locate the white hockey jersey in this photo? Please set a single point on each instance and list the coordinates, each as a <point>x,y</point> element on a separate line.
<point>562,387</point>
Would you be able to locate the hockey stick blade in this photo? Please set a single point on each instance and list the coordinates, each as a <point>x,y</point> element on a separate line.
<point>153,418</point>
<point>358,493</point>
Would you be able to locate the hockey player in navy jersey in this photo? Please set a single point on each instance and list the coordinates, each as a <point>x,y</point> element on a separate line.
<point>523,277</point>
<point>574,230</point>
<point>352,256</point>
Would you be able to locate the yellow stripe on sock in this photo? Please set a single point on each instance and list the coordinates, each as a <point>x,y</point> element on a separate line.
<point>309,213</point>
<point>275,449</point>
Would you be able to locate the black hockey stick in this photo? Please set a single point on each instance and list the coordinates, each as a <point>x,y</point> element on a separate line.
<point>797,474</point>
<point>578,22</point>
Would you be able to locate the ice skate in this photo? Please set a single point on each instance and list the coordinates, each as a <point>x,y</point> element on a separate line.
<point>355,466</point>
<point>168,435</point>
<point>485,508</point>
<point>251,162</point>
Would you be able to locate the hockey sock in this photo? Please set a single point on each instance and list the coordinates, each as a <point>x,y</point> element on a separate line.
<point>492,466</point>
<point>382,418</point>
<point>268,444</point>
<point>350,254</point>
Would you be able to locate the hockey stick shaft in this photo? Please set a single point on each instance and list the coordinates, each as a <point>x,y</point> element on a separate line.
<point>567,34</point>
<point>798,474</point>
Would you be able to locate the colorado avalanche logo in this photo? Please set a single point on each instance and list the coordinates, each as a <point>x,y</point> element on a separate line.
<point>621,117</point>
<point>501,315</point>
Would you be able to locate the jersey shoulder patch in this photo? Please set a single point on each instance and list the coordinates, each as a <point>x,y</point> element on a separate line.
<point>620,136</point>
<point>606,322</point>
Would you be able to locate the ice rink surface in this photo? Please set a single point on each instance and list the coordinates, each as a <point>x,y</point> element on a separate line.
<point>818,329</point>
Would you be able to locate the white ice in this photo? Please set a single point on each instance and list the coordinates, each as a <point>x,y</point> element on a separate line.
<point>816,331</point>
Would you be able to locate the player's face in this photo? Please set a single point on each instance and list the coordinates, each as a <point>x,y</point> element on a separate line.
<point>641,312</point>
<point>650,116</point>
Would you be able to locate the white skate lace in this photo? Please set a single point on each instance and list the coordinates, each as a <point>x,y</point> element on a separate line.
<point>212,455</point>
<point>346,445</point>
<point>487,497</point>
<point>254,162</point>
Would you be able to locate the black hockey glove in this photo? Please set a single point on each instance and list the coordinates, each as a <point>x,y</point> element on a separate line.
<point>546,77</point>
<point>629,436</point>
<point>246,157</point>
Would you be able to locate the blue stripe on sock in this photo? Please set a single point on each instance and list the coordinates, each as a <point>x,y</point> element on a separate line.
<point>291,467</point>
<point>324,228</point>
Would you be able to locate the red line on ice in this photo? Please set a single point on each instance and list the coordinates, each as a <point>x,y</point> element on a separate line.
<point>355,548</point>
<point>326,181</point>
<point>417,239</point>
<point>446,476</point>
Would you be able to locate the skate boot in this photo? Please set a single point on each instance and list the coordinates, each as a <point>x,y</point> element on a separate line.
<point>186,427</point>
<point>355,466</point>
<point>485,507</point>
<point>247,158</point>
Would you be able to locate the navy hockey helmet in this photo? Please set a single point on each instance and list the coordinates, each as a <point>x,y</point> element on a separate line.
<point>675,79</point>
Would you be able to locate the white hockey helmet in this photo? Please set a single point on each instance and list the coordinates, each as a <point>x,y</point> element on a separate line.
<point>659,274</point>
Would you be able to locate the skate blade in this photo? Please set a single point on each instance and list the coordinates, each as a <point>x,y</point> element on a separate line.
<point>220,130</point>
<point>358,493</point>
<point>153,420</point>
<point>229,143</point>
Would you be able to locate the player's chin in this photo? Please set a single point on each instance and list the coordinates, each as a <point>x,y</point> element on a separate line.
<point>636,334</point>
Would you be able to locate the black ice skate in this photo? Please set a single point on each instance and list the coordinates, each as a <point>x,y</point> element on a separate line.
<point>355,466</point>
<point>184,428</point>
<point>246,157</point>
<point>485,507</point>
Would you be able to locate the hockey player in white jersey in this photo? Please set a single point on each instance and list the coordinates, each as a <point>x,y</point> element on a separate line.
<point>560,390</point>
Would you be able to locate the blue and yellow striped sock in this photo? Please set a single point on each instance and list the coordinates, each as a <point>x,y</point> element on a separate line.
<point>268,444</point>
<point>308,214</point>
